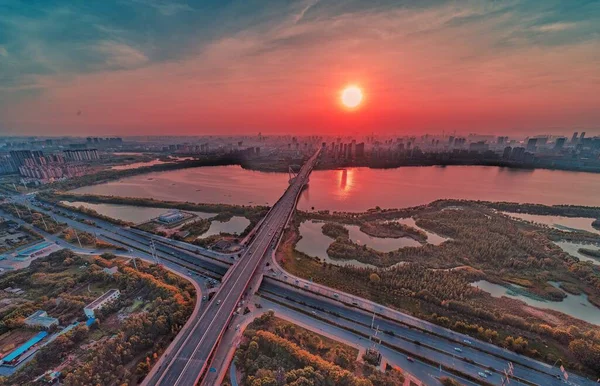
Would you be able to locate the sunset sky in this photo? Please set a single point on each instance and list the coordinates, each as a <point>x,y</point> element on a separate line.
<point>218,67</point>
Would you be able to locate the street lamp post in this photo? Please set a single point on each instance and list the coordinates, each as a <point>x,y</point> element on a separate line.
<point>76,235</point>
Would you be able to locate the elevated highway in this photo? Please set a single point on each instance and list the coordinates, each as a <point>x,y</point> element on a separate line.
<point>189,363</point>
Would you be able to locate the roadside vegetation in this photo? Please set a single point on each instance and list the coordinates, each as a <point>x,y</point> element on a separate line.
<point>87,240</point>
<point>127,337</point>
<point>195,229</point>
<point>37,219</point>
<point>29,237</point>
<point>434,281</point>
<point>275,352</point>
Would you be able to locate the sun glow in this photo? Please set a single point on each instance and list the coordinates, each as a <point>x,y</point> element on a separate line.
<point>352,97</point>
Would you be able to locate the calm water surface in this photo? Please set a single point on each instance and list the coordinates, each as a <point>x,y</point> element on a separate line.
<point>315,243</point>
<point>234,226</point>
<point>573,250</point>
<point>559,222</point>
<point>576,306</point>
<point>211,184</point>
<point>359,189</point>
<point>134,214</point>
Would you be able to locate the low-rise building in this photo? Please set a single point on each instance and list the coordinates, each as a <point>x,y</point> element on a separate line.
<point>171,217</point>
<point>107,298</point>
<point>111,271</point>
<point>40,318</point>
<point>14,291</point>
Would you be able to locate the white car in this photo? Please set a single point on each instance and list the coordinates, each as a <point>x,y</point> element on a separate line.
<point>457,349</point>
<point>482,375</point>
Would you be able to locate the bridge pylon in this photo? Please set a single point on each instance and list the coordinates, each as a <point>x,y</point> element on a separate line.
<point>292,174</point>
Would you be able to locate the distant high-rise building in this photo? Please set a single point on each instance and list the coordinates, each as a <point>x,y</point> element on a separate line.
<point>517,153</point>
<point>360,150</point>
<point>541,141</point>
<point>502,140</point>
<point>574,137</point>
<point>582,136</point>
<point>560,143</point>
<point>532,144</point>
<point>7,164</point>
<point>479,146</point>
<point>81,155</point>
<point>506,154</point>
<point>19,156</point>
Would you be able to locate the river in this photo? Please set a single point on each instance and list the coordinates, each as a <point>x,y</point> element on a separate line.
<point>359,189</point>
<point>209,184</point>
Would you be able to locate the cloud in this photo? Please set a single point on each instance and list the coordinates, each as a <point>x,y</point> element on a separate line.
<point>300,15</point>
<point>554,27</point>
<point>120,56</point>
<point>165,7</point>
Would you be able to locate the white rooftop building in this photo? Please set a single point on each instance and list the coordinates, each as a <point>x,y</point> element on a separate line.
<point>171,217</point>
<point>108,297</point>
<point>40,318</point>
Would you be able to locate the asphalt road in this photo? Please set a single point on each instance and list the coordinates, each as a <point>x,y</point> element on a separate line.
<point>191,360</point>
<point>472,358</point>
<point>423,371</point>
<point>213,265</point>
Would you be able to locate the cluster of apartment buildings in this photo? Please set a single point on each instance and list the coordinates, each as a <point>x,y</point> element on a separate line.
<point>104,142</point>
<point>187,148</point>
<point>351,150</point>
<point>34,164</point>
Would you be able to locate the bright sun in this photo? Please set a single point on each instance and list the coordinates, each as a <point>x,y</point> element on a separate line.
<point>352,96</point>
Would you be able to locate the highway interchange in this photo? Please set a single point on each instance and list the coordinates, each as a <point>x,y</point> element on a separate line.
<point>188,358</point>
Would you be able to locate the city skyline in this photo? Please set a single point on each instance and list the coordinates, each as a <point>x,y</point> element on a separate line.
<point>189,68</point>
